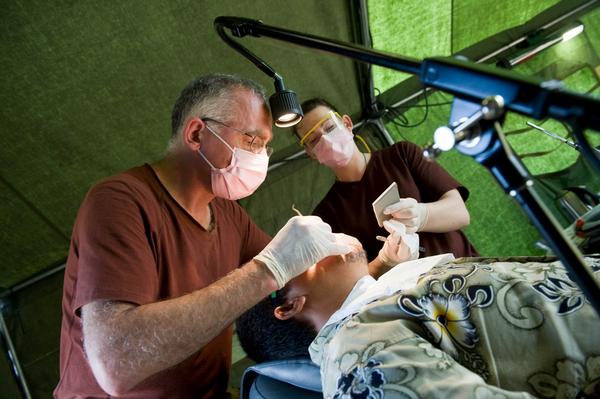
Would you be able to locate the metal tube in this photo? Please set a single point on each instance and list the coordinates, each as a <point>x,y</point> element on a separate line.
<point>245,26</point>
<point>12,357</point>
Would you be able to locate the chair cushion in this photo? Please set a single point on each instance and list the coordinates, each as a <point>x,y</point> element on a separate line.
<point>267,388</point>
<point>300,372</point>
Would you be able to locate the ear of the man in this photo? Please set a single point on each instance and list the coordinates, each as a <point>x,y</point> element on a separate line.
<point>193,132</point>
<point>290,308</point>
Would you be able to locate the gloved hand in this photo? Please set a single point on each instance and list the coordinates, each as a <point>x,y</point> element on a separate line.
<point>398,247</point>
<point>408,211</point>
<point>302,242</point>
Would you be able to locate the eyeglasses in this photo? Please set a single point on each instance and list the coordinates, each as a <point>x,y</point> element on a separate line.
<point>325,125</point>
<point>250,141</point>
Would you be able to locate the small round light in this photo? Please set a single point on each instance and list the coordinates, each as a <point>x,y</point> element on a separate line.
<point>285,108</point>
<point>287,117</point>
<point>288,123</point>
<point>444,138</point>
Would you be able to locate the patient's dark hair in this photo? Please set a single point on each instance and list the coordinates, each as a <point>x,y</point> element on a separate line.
<point>264,337</point>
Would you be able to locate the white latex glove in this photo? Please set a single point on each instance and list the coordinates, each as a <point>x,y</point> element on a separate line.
<point>302,242</point>
<point>398,246</point>
<point>409,212</point>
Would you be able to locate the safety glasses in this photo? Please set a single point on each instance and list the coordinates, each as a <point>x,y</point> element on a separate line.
<point>325,125</point>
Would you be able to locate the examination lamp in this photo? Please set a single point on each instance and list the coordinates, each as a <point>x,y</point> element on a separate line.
<point>284,104</point>
<point>483,94</point>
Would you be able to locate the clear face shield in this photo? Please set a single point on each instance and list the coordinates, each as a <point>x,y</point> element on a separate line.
<point>327,124</point>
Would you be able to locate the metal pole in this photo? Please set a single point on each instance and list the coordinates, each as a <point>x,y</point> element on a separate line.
<point>513,177</point>
<point>12,356</point>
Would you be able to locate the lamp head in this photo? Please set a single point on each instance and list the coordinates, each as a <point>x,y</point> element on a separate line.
<point>284,105</point>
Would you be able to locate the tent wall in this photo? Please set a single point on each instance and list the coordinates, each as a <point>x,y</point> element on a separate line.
<point>87,90</point>
<point>33,316</point>
<point>575,62</point>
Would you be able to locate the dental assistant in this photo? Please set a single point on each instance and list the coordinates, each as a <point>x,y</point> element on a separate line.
<point>432,202</point>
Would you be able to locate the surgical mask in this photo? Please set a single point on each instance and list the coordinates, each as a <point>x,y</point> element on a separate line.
<point>335,149</point>
<point>242,177</point>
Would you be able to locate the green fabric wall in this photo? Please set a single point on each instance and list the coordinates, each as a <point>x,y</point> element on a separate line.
<point>440,27</point>
<point>498,226</point>
<point>87,90</point>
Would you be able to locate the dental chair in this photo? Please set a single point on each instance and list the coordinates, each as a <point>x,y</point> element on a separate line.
<point>297,378</point>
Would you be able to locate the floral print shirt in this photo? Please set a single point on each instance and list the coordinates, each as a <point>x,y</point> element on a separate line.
<point>469,329</point>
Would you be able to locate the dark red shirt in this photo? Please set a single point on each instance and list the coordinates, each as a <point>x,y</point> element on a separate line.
<point>133,242</point>
<point>347,207</point>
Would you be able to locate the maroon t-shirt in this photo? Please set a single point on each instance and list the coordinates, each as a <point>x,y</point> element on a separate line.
<point>133,242</point>
<point>347,207</point>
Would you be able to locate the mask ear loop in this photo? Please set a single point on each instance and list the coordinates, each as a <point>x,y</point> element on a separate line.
<point>220,138</point>
<point>364,143</point>
<point>222,141</point>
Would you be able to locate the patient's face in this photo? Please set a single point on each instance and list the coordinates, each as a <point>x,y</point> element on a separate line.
<point>317,293</point>
<point>326,273</point>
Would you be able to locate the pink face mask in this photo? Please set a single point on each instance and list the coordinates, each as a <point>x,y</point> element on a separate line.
<point>335,149</point>
<point>245,173</point>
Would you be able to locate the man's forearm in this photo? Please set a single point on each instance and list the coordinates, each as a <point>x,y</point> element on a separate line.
<point>126,343</point>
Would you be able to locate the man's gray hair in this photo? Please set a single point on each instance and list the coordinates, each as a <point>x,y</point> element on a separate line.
<point>208,96</point>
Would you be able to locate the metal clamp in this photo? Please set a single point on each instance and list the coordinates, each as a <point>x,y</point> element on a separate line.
<point>465,131</point>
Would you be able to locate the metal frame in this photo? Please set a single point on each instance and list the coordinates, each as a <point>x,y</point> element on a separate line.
<point>474,83</point>
<point>11,353</point>
<point>5,336</point>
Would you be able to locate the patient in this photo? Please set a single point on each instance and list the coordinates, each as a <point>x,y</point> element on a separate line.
<point>470,329</point>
